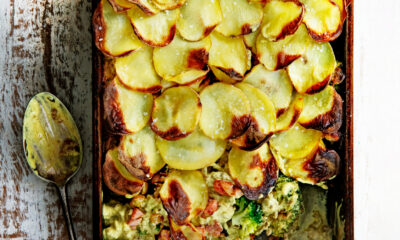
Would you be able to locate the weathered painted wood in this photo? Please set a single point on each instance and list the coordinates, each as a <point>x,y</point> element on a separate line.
<point>45,45</point>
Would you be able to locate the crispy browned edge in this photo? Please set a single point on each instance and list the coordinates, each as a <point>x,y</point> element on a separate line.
<point>348,202</point>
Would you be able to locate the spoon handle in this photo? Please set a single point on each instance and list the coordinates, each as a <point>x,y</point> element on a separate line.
<point>62,190</point>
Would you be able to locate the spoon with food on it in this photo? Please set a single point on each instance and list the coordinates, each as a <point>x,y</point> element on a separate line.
<point>52,145</point>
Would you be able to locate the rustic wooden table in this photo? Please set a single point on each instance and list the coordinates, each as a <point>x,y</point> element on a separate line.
<point>46,46</point>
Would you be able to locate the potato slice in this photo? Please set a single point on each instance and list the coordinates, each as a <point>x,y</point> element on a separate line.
<point>117,178</point>
<point>323,19</point>
<point>121,5</point>
<point>138,153</point>
<point>147,6</point>
<point>127,111</point>
<point>113,32</point>
<point>157,30</point>
<point>297,142</point>
<point>255,172</point>
<point>288,118</point>
<point>198,18</point>
<point>168,4</point>
<point>181,61</point>
<point>239,17</point>
<point>225,111</point>
<point>136,71</point>
<point>312,72</point>
<point>281,18</point>
<point>263,118</point>
<point>176,113</point>
<point>229,58</point>
<point>192,152</point>
<point>322,111</point>
<point>200,85</point>
<point>276,84</point>
<point>321,165</point>
<point>184,195</point>
<point>279,54</point>
<point>184,232</point>
<point>251,39</point>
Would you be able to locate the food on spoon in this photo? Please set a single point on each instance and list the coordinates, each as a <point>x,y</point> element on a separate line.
<point>139,155</point>
<point>262,119</point>
<point>275,84</point>
<point>155,30</point>
<point>254,171</point>
<point>192,152</point>
<point>117,178</point>
<point>312,72</point>
<point>198,19</point>
<point>229,58</point>
<point>176,113</point>
<point>127,111</point>
<point>322,111</point>
<point>239,17</point>
<point>281,18</point>
<point>182,61</point>
<point>136,71</point>
<point>225,111</point>
<point>184,195</point>
<point>113,32</point>
<point>279,54</point>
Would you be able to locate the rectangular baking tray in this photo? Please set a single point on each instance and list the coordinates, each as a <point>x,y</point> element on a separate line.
<point>340,189</point>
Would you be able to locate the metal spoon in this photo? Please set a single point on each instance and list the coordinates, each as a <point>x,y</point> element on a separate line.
<point>52,145</point>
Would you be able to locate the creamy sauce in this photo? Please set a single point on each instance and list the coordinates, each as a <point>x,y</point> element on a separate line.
<point>52,143</point>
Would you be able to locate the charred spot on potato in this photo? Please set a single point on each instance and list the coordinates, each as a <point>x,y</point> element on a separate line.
<point>246,29</point>
<point>319,86</point>
<point>136,166</point>
<point>324,166</point>
<point>338,76</point>
<point>173,133</point>
<point>114,114</point>
<point>178,203</point>
<point>231,73</point>
<point>198,59</point>
<point>239,125</point>
<point>285,59</point>
<point>208,30</point>
<point>252,138</point>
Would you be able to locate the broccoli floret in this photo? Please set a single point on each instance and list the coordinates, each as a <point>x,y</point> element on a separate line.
<point>248,216</point>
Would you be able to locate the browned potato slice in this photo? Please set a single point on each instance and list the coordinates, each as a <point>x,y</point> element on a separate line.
<point>297,142</point>
<point>157,30</point>
<point>176,113</point>
<point>255,172</point>
<point>184,195</point>
<point>200,85</point>
<point>113,32</point>
<point>281,18</point>
<point>117,178</point>
<point>276,84</point>
<point>239,17</point>
<point>322,111</point>
<point>229,58</point>
<point>312,72</point>
<point>290,116</point>
<point>147,6</point>
<point>225,111</point>
<point>121,5</point>
<point>263,118</point>
<point>323,19</point>
<point>279,54</point>
<point>198,18</point>
<point>321,165</point>
<point>181,61</point>
<point>127,111</point>
<point>192,152</point>
<point>138,153</point>
<point>136,71</point>
<point>168,4</point>
<point>184,232</point>
<point>250,40</point>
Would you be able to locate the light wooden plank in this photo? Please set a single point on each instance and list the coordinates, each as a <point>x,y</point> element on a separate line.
<point>45,46</point>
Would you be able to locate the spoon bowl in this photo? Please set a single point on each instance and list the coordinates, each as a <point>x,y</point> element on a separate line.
<point>52,145</point>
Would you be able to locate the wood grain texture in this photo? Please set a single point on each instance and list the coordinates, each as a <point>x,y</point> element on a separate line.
<point>45,46</point>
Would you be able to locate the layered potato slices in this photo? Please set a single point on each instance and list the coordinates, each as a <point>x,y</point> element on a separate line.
<point>245,88</point>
